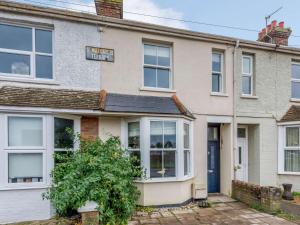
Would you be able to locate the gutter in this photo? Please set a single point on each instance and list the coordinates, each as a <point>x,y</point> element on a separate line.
<point>235,96</point>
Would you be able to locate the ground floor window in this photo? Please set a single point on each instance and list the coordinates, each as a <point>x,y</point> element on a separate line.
<point>289,149</point>
<point>27,146</point>
<point>162,145</point>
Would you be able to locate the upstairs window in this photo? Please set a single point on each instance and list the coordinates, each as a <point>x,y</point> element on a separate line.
<point>217,72</point>
<point>247,76</point>
<point>25,52</point>
<point>157,66</point>
<point>295,80</point>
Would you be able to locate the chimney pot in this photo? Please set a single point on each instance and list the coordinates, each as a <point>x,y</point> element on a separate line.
<point>281,24</point>
<point>274,23</point>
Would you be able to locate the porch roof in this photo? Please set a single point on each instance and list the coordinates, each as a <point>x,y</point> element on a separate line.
<point>293,114</point>
<point>91,100</point>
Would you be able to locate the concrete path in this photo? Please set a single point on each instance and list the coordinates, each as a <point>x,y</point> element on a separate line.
<point>229,212</point>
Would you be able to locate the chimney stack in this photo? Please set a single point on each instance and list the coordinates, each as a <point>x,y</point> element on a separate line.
<point>275,34</point>
<point>109,8</point>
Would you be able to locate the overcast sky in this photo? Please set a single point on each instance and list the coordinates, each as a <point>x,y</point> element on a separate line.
<point>237,13</point>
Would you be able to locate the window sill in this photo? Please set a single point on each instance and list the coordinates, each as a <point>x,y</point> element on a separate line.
<point>290,173</point>
<point>294,99</point>
<point>249,96</point>
<point>28,80</point>
<point>219,94</point>
<point>166,90</point>
<point>162,180</point>
<point>23,187</point>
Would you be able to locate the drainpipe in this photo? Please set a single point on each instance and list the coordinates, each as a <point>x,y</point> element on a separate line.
<point>235,96</point>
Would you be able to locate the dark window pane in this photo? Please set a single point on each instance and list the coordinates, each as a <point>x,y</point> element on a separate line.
<point>44,67</point>
<point>295,89</point>
<point>186,162</point>
<point>216,62</point>
<point>292,161</point>
<point>163,55</point>
<point>216,86</point>
<point>14,63</point>
<point>150,55</point>
<point>149,77</point>
<point>156,164</point>
<point>134,135</point>
<point>62,138</point>
<point>163,78</point>
<point>13,37</point>
<point>156,134</point>
<point>241,132</point>
<point>292,137</point>
<point>169,163</point>
<point>43,41</point>
<point>212,134</point>
<point>170,134</point>
<point>247,85</point>
<point>186,136</point>
<point>240,155</point>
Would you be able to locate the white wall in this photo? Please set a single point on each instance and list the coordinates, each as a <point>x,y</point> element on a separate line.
<point>23,205</point>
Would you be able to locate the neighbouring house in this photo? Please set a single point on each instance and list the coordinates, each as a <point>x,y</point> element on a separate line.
<point>172,96</point>
<point>267,86</point>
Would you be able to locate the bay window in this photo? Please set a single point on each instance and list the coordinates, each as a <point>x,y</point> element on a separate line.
<point>25,148</point>
<point>25,52</point>
<point>157,66</point>
<point>163,147</point>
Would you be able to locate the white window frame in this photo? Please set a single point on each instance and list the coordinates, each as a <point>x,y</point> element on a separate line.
<point>294,80</point>
<point>282,148</point>
<point>76,121</point>
<point>32,55</point>
<point>187,149</point>
<point>24,150</point>
<point>244,74</point>
<point>145,147</point>
<point>171,78</point>
<point>221,73</point>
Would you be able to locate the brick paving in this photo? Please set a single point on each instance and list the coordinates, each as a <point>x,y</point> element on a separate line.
<point>233,213</point>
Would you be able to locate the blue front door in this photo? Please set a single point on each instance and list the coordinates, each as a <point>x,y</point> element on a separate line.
<point>213,159</point>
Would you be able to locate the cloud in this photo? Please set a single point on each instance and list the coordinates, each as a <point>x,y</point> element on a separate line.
<point>148,7</point>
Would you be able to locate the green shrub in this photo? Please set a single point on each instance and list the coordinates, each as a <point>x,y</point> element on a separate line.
<point>296,194</point>
<point>101,172</point>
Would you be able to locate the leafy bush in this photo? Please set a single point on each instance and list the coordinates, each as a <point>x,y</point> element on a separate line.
<point>101,172</point>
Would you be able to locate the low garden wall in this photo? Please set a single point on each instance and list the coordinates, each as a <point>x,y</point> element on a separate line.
<point>268,198</point>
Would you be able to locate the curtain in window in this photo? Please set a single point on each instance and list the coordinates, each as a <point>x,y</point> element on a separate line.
<point>292,136</point>
<point>292,160</point>
<point>25,131</point>
<point>26,167</point>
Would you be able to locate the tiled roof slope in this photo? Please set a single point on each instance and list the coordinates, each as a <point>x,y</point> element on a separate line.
<point>91,100</point>
<point>49,98</point>
<point>293,114</point>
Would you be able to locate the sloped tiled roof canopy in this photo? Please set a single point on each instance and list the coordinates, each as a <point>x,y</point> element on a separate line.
<point>91,100</point>
<point>293,114</point>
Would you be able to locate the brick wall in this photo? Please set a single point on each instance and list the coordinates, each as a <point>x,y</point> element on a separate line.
<point>110,8</point>
<point>267,197</point>
<point>89,128</point>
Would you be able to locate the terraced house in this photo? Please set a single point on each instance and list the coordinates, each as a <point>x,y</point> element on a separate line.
<point>199,110</point>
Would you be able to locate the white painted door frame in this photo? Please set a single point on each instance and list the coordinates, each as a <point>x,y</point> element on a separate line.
<point>241,156</point>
